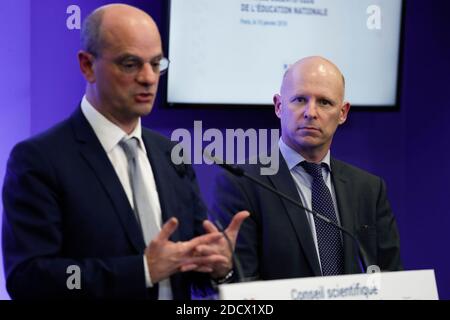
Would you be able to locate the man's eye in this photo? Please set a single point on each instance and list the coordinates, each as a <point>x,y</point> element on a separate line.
<point>130,65</point>
<point>156,65</point>
<point>300,99</point>
<point>325,102</point>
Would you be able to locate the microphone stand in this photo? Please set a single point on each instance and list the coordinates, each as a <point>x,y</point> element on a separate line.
<point>239,172</point>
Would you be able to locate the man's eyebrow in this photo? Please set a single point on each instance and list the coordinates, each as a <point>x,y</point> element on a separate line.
<point>126,56</point>
<point>132,56</point>
<point>324,97</point>
<point>295,96</point>
<point>306,96</point>
<point>157,57</point>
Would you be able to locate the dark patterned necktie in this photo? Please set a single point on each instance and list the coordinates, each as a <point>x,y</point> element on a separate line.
<point>328,237</point>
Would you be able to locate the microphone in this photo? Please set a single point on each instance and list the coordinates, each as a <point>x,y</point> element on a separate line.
<point>239,172</point>
<point>182,171</point>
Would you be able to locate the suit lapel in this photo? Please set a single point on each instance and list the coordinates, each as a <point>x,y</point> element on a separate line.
<point>347,211</point>
<point>94,154</point>
<point>284,183</point>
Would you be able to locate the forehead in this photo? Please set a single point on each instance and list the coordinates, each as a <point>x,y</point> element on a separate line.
<point>313,80</point>
<point>137,38</point>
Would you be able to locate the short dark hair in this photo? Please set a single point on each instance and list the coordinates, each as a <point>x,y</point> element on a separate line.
<point>91,40</point>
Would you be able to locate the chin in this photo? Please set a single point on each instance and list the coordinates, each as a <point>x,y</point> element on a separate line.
<point>143,109</point>
<point>308,143</point>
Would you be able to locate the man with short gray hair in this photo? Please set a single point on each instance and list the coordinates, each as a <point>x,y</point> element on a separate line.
<point>98,194</point>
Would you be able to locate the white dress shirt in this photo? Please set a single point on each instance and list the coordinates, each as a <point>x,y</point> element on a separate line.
<point>109,135</point>
<point>303,182</point>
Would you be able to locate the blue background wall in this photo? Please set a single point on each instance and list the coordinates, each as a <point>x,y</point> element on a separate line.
<point>14,84</point>
<point>40,84</point>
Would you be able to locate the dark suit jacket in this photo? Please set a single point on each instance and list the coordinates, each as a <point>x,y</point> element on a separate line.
<point>64,205</point>
<point>276,241</point>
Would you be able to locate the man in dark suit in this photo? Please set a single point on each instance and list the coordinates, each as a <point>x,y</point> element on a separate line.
<point>94,207</point>
<point>280,240</point>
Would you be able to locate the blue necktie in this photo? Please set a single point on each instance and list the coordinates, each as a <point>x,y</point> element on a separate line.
<point>328,237</point>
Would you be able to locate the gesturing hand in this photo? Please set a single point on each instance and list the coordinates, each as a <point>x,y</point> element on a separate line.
<point>165,257</point>
<point>217,254</point>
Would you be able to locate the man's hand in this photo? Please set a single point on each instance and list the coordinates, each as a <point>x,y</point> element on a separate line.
<point>165,257</point>
<point>218,257</point>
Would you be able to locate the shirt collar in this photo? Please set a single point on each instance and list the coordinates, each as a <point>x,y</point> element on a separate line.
<point>106,131</point>
<point>293,158</point>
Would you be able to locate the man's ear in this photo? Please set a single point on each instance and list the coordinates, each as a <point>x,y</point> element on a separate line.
<point>86,61</point>
<point>344,112</point>
<point>277,105</point>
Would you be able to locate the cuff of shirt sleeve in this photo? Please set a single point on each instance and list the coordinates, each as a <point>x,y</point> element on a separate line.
<point>148,279</point>
<point>227,279</point>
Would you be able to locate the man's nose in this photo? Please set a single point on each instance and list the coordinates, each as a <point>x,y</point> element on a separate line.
<point>147,75</point>
<point>310,110</point>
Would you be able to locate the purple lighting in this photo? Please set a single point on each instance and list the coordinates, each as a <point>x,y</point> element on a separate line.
<point>14,86</point>
<point>40,84</point>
